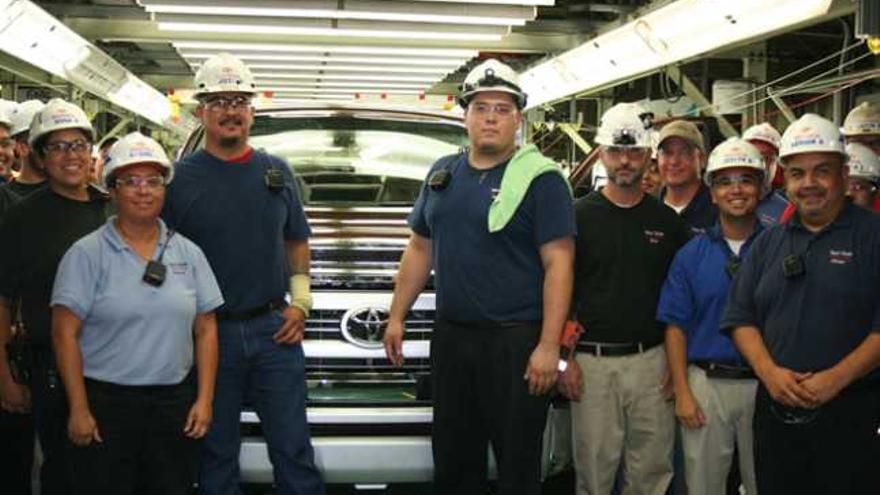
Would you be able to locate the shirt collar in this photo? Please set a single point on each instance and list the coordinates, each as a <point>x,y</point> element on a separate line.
<point>842,220</point>
<point>714,232</point>
<point>114,238</point>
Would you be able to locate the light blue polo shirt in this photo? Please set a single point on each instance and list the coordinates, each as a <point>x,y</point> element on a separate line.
<point>134,333</point>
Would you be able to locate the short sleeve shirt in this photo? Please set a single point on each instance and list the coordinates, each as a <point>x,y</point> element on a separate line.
<point>490,277</point>
<point>134,333</point>
<point>227,209</point>
<point>811,321</point>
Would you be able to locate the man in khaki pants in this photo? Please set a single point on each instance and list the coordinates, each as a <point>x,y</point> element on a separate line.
<point>714,386</point>
<point>626,240</point>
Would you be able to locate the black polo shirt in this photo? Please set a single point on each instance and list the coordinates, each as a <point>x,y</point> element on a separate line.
<point>621,259</point>
<point>810,322</point>
<point>701,213</point>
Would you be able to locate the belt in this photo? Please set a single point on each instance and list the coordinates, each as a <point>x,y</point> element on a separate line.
<point>721,370</point>
<point>250,314</point>
<point>601,349</point>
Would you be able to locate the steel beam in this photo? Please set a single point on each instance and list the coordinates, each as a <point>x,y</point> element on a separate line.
<point>693,92</point>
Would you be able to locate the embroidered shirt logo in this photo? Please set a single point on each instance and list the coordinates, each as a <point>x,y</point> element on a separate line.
<point>178,268</point>
<point>840,257</point>
<point>654,236</point>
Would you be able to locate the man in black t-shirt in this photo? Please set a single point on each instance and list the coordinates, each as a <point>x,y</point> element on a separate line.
<point>37,232</point>
<point>626,241</point>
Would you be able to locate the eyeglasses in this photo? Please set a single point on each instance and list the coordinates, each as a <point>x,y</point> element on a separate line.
<point>62,147</point>
<point>862,186</point>
<point>732,180</point>
<point>484,109</point>
<point>230,103</point>
<point>136,182</point>
<point>633,153</point>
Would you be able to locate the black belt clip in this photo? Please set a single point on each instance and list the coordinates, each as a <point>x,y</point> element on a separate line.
<point>599,349</point>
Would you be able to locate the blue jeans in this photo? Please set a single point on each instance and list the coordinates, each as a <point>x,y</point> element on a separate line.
<point>272,379</point>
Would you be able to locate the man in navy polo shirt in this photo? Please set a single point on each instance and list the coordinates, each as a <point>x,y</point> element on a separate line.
<point>766,138</point>
<point>681,152</point>
<point>804,310</point>
<point>714,387</point>
<point>496,223</point>
<point>241,207</point>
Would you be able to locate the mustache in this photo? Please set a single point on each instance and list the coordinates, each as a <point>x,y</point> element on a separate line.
<point>231,120</point>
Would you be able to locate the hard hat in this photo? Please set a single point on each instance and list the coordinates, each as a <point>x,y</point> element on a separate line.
<point>6,109</point>
<point>763,132</point>
<point>734,153</point>
<point>491,75</point>
<point>224,73</point>
<point>810,134</point>
<point>23,115</point>
<point>682,129</point>
<point>133,149</point>
<point>655,143</point>
<point>863,162</point>
<point>863,119</point>
<point>58,115</point>
<point>626,125</point>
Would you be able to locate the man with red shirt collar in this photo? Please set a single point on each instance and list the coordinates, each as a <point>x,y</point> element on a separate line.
<point>242,208</point>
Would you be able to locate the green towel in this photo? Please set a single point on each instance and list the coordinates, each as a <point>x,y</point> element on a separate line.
<point>525,165</point>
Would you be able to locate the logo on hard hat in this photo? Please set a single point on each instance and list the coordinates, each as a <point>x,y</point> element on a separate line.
<point>140,150</point>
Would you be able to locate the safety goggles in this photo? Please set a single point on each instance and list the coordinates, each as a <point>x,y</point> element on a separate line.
<point>62,147</point>
<point>224,103</point>
<point>137,182</point>
<point>733,180</point>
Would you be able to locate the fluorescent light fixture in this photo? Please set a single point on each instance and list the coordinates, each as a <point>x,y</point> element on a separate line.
<point>361,60</point>
<point>330,28</point>
<point>233,47</point>
<point>366,10</point>
<point>344,77</point>
<point>678,31</point>
<point>348,91</point>
<point>257,67</point>
<point>34,36</point>
<point>497,2</point>
<point>316,83</point>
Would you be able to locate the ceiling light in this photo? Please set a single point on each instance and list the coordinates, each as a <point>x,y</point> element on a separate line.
<point>341,68</point>
<point>368,10</point>
<point>351,49</point>
<point>347,91</point>
<point>362,60</point>
<point>344,77</point>
<point>275,85</point>
<point>497,2</point>
<point>318,27</point>
<point>657,39</point>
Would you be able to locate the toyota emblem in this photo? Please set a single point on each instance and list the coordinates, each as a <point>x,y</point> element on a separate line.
<point>365,326</point>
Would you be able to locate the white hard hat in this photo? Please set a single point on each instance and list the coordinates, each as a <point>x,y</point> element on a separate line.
<point>626,125</point>
<point>763,132</point>
<point>863,120</point>
<point>132,149</point>
<point>6,109</point>
<point>863,162</point>
<point>491,75</point>
<point>23,115</point>
<point>810,134</point>
<point>58,115</point>
<point>734,153</point>
<point>224,73</point>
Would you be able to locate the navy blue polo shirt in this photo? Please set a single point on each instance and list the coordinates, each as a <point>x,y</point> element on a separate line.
<point>701,213</point>
<point>228,211</point>
<point>490,277</point>
<point>771,208</point>
<point>694,294</point>
<point>812,321</point>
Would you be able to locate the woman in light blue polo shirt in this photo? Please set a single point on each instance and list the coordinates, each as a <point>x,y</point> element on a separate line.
<point>132,309</point>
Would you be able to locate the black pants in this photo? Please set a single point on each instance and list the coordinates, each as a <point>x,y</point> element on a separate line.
<point>144,450</point>
<point>480,397</point>
<point>50,420</point>
<point>837,452</point>
<point>16,452</point>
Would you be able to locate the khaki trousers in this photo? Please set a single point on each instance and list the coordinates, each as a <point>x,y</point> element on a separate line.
<point>623,416</point>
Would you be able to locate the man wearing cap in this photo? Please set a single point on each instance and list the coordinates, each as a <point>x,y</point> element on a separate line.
<point>44,225</point>
<point>714,387</point>
<point>804,310</point>
<point>862,125</point>
<point>496,224</point>
<point>626,240</point>
<point>30,178</point>
<point>766,138</point>
<point>241,207</point>
<point>864,175</point>
<point>680,155</point>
